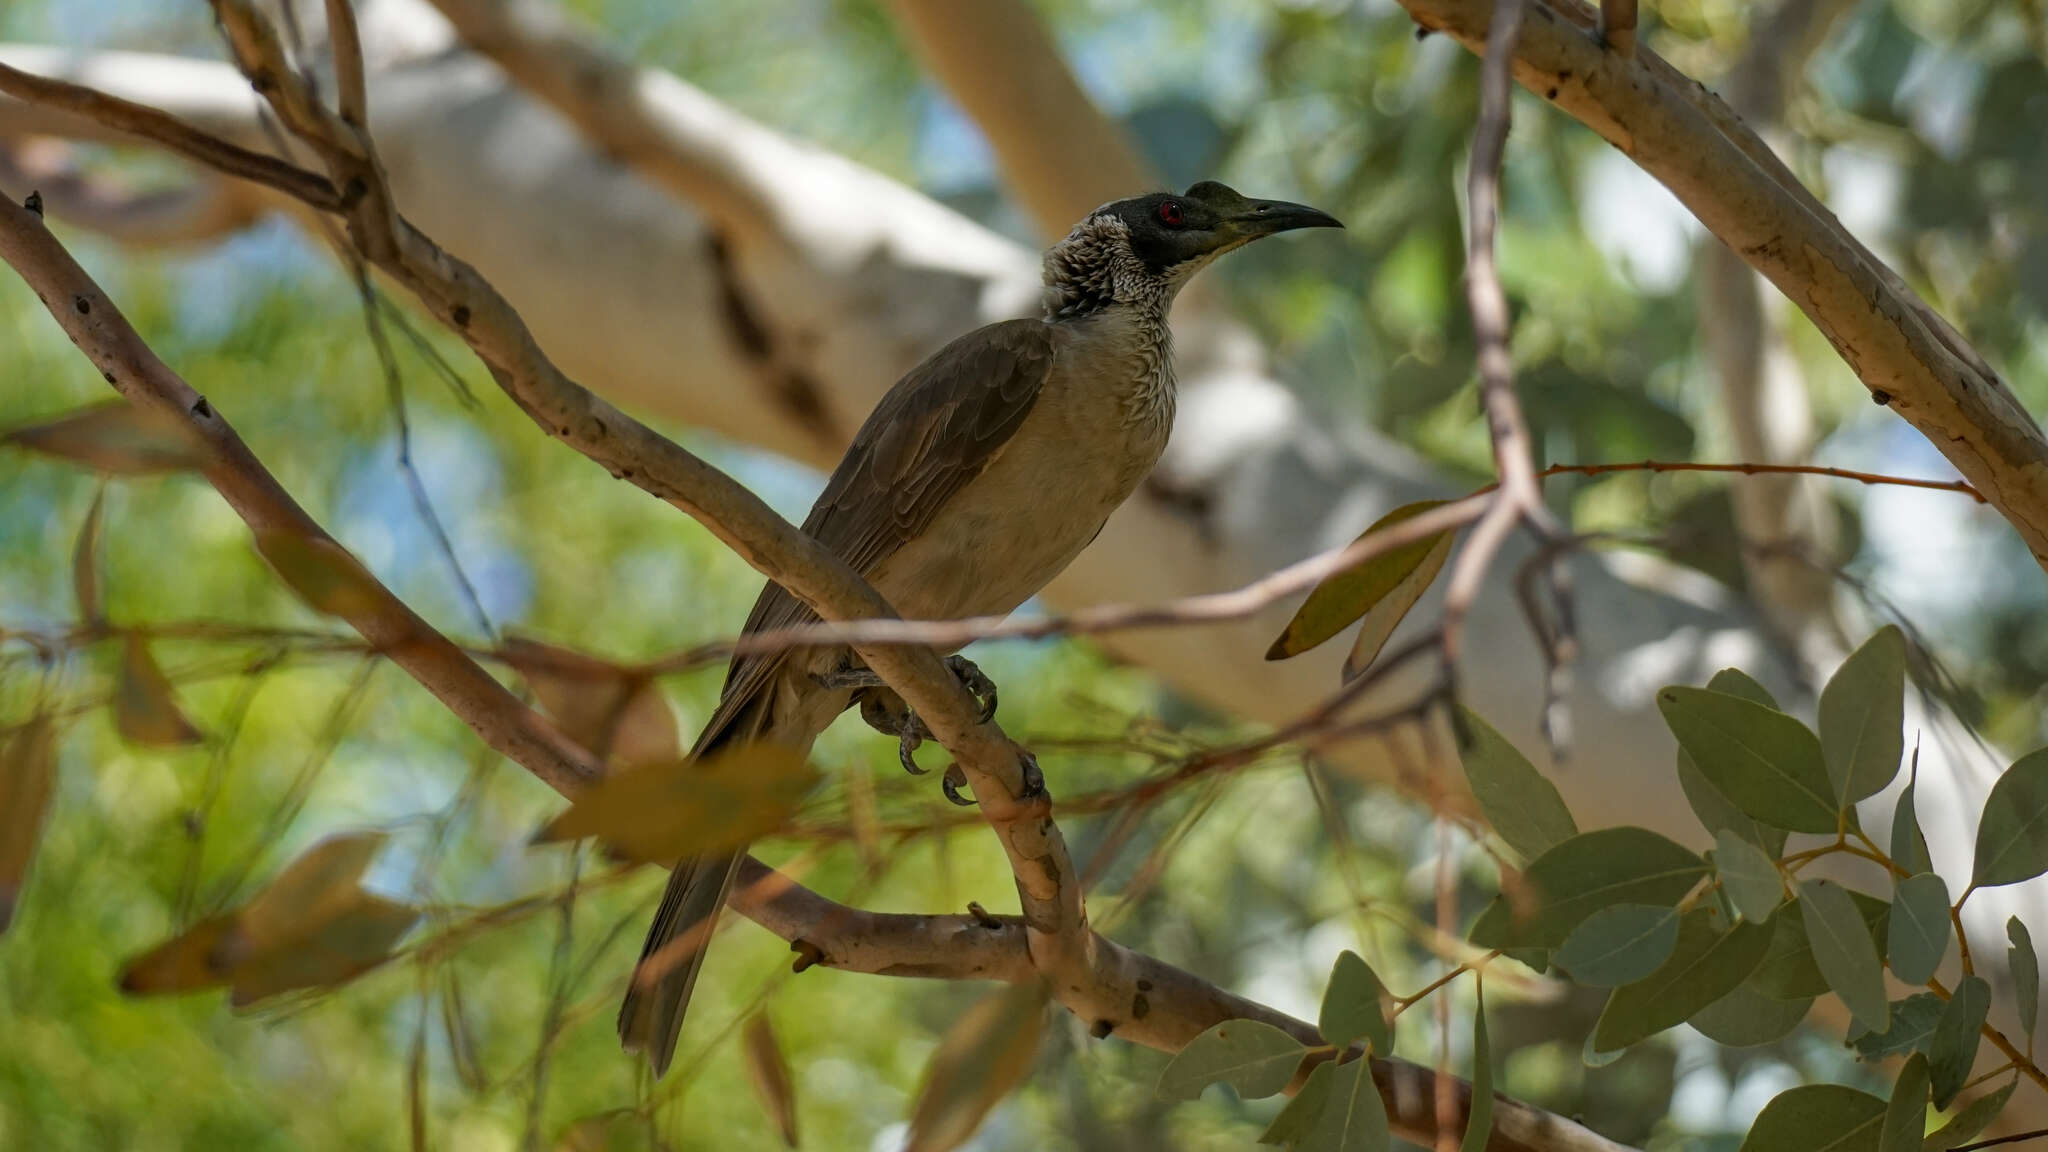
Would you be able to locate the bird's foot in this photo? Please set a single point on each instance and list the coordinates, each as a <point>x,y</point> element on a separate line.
<point>977,683</point>
<point>862,681</point>
<point>1034,780</point>
<point>884,711</point>
<point>952,782</point>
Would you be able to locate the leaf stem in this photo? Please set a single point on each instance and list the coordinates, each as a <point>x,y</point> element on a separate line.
<point>2026,1066</point>
<point>1879,854</point>
<point>1402,1003</point>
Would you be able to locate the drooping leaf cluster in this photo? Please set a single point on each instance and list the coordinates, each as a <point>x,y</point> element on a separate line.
<point>1740,942</point>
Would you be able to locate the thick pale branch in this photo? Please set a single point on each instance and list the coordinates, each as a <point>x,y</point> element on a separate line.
<point>1763,392</point>
<point>647,119</point>
<point>1907,355</point>
<point>996,58</point>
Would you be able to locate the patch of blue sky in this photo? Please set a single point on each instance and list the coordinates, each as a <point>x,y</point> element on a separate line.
<point>377,518</point>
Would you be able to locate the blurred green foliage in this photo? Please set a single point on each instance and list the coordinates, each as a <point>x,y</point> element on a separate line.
<point>1922,117</point>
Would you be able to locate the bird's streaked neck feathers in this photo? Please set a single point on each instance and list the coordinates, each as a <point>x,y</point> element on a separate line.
<point>1094,269</point>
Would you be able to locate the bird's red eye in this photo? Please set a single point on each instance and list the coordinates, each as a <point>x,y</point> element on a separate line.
<point>1169,215</point>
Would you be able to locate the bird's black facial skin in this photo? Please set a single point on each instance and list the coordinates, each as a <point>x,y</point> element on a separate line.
<point>1168,230</point>
<point>1160,243</point>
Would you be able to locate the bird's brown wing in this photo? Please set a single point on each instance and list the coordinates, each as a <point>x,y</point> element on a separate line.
<point>935,431</point>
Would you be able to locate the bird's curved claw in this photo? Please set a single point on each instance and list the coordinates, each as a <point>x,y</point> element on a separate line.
<point>977,683</point>
<point>952,782</point>
<point>907,740</point>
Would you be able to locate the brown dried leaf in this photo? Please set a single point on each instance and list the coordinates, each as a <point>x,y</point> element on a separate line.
<point>615,712</point>
<point>321,881</point>
<point>115,437</point>
<point>768,1071</point>
<point>28,766</point>
<point>145,706</point>
<point>1393,579</point>
<point>983,1056</point>
<point>621,1131</point>
<point>660,813</point>
<point>1383,617</point>
<point>324,574</point>
<point>345,941</point>
<point>312,926</point>
<point>195,958</point>
<point>85,563</point>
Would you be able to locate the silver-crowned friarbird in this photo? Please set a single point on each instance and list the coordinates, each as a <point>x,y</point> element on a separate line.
<point>976,480</point>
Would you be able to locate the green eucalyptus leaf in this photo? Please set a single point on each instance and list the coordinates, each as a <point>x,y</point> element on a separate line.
<point>2025,966</point>
<point>1919,928</point>
<point>1707,964</point>
<point>1817,1118</point>
<point>1351,1006</point>
<point>1953,1049</point>
<point>1788,971</point>
<point>1748,876</point>
<point>1719,814</point>
<point>1353,1118</point>
<point>1971,1119</point>
<point>1479,1121</point>
<point>1905,1117</point>
<point>1746,1017</point>
<point>1909,846</point>
<point>1845,953</point>
<point>1298,1118</point>
<point>1862,717</point>
<point>1912,1030</point>
<point>1619,945</point>
<point>1716,812</point>
<point>1256,1059</point>
<point>1593,1057</point>
<point>2012,839</point>
<point>1586,873</point>
<point>1767,763</point>
<point>1736,682</point>
<point>1519,801</point>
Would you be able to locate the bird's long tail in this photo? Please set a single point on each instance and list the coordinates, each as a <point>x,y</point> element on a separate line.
<point>651,1017</point>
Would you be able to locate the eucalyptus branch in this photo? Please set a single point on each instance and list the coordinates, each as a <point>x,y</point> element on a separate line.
<point>1907,355</point>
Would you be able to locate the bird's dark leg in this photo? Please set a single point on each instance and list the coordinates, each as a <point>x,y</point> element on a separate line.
<point>884,711</point>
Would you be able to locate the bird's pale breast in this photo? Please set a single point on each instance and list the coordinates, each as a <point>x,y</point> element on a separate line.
<point>1099,425</point>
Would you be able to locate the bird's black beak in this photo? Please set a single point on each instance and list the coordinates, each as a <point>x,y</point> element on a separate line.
<point>1255,218</point>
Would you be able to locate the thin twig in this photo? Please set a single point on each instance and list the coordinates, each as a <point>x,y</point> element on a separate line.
<point>1873,478</point>
<point>2035,1134</point>
<point>1250,599</point>
<point>1519,499</point>
<point>152,124</point>
<point>345,43</point>
<point>394,384</point>
<point>1618,25</point>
